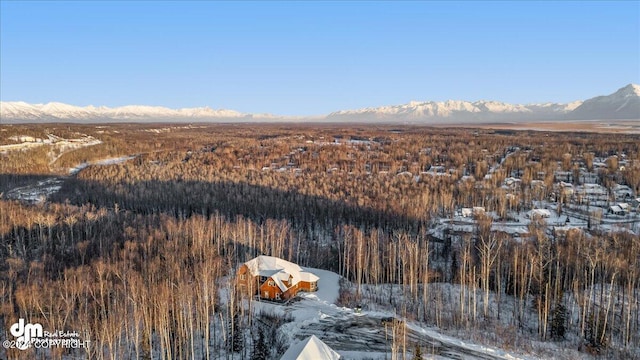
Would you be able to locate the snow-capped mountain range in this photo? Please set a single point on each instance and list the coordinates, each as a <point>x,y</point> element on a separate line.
<point>623,104</point>
<point>54,111</point>
<point>461,110</point>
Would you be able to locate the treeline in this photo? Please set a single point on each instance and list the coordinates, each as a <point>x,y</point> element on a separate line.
<point>135,286</point>
<point>570,285</point>
<point>138,254</point>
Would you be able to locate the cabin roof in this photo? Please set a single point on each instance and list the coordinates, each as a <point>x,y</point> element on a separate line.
<point>311,348</point>
<point>279,270</point>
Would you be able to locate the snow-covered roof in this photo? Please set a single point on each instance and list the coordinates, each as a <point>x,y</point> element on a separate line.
<point>540,212</point>
<point>565,184</point>
<point>265,272</point>
<point>266,264</point>
<point>279,270</point>
<point>624,206</point>
<point>308,277</point>
<point>310,349</point>
<point>566,228</point>
<point>511,180</point>
<point>615,208</point>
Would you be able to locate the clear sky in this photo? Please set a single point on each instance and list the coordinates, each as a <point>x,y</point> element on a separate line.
<point>311,58</point>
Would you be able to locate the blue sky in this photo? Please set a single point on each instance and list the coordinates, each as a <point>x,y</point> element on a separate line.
<point>306,58</point>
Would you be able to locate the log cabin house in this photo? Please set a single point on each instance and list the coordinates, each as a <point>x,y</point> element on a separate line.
<point>275,279</point>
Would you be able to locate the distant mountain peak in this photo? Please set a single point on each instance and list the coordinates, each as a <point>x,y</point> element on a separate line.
<point>630,90</point>
<point>622,104</point>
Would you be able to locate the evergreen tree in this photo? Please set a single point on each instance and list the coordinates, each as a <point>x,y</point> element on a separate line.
<point>454,267</point>
<point>260,348</point>
<point>417,353</point>
<point>558,321</point>
<point>595,332</point>
<point>236,340</point>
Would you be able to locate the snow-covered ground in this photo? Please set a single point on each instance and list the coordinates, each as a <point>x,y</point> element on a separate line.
<point>110,161</point>
<point>59,146</point>
<point>367,334</point>
<point>37,192</point>
<point>518,222</point>
<point>40,190</point>
<point>64,146</point>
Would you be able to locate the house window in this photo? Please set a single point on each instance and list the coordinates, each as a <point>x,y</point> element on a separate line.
<point>277,296</point>
<point>314,285</point>
<point>266,294</point>
<point>243,277</point>
<point>271,283</point>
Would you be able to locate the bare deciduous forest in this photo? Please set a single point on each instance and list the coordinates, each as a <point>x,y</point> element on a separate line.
<point>135,254</point>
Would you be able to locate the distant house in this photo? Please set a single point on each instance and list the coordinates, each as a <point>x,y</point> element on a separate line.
<point>566,176</point>
<point>466,212</point>
<point>616,210</point>
<point>539,213</point>
<point>512,182</point>
<point>537,184</point>
<point>564,188</point>
<point>622,192</point>
<point>275,279</point>
<point>310,349</point>
<point>624,206</point>
<point>471,212</point>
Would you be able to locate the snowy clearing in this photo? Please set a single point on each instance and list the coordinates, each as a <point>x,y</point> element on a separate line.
<point>35,193</point>
<point>366,335</point>
<point>110,161</point>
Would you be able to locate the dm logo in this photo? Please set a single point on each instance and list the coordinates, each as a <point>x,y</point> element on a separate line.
<point>25,333</point>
